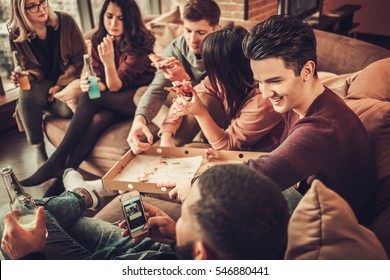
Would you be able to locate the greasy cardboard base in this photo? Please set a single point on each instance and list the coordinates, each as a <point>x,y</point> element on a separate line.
<point>109,181</point>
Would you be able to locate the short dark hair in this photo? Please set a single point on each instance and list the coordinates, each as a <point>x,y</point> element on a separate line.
<point>242,212</point>
<point>235,76</point>
<point>197,10</point>
<point>283,37</point>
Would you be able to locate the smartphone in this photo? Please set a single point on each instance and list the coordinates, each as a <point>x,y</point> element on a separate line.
<point>134,213</point>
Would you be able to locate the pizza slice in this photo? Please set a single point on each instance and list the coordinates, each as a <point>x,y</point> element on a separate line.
<point>161,62</point>
<point>183,89</point>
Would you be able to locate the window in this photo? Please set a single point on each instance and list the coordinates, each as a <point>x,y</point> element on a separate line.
<point>69,6</point>
<point>6,64</point>
<point>96,8</point>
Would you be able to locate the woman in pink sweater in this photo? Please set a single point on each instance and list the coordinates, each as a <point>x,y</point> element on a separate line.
<point>253,124</point>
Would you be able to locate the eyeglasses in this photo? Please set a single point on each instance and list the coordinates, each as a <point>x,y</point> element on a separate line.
<point>34,8</point>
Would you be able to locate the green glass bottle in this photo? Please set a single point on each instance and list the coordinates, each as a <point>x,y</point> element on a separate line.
<point>93,91</point>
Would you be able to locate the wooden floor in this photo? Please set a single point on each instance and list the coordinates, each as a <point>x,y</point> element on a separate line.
<point>17,153</point>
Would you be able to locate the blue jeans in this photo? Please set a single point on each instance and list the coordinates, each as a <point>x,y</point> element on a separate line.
<point>292,197</point>
<point>72,236</point>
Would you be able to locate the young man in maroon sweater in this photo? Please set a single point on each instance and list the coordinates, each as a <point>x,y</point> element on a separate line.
<point>323,138</point>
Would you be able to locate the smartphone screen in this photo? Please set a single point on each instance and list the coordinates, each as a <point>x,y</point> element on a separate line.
<point>134,213</point>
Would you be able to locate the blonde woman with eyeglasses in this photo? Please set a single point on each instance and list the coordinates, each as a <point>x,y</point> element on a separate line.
<point>50,48</point>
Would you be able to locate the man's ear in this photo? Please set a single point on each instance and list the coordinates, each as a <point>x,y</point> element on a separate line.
<point>217,27</point>
<point>200,251</point>
<point>308,70</point>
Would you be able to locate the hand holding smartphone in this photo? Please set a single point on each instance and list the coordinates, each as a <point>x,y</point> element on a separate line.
<point>134,213</point>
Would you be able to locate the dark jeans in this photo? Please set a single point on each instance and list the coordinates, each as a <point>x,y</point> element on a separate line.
<point>33,103</point>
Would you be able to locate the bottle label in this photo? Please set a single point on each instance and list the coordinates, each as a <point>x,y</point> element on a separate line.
<point>94,91</point>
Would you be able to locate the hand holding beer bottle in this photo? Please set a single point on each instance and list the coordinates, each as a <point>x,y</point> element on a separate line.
<point>21,203</point>
<point>18,242</point>
<point>19,76</point>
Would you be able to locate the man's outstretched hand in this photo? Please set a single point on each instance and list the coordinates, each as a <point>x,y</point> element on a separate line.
<point>138,131</point>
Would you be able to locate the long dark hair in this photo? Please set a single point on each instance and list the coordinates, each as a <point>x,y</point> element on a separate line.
<point>226,65</point>
<point>136,39</point>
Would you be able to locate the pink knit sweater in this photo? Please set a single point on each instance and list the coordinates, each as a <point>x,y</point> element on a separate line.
<point>256,125</point>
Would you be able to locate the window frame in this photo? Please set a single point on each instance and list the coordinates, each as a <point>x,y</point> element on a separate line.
<point>86,15</point>
<point>2,92</point>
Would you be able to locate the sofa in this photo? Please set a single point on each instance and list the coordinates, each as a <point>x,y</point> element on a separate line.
<point>355,70</point>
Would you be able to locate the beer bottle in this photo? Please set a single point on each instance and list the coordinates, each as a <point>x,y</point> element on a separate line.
<point>24,82</point>
<point>21,202</point>
<point>93,91</point>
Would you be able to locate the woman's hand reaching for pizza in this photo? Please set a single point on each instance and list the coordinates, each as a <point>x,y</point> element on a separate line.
<point>193,107</point>
<point>176,72</point>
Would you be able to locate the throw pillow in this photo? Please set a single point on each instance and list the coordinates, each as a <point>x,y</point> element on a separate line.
<point>337,83</point>
<point>165,28</point>
<point>170,16</point>
<point>70,94</point>
<point>324,227</point>
<point>372,82</point>
<point>375,115</point>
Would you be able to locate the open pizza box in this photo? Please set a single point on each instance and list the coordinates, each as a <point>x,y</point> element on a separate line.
<point>144,171</point>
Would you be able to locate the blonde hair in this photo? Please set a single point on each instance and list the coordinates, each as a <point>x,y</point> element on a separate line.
<point>21,27</point>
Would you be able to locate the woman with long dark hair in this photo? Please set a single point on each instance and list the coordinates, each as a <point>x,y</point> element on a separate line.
<point>50,49</point>
<point>253,124</point>
<point>120,49</point>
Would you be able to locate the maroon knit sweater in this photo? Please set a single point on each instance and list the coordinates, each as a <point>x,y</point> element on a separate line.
<point>133,70</point>
<point>331,144</point>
